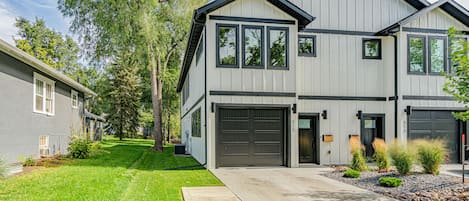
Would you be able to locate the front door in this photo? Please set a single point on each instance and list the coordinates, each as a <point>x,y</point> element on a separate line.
<point>372,126</point>
<point>308,142</point>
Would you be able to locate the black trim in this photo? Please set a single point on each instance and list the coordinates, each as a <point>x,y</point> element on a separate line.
<point>417,4</point>
<point>236,27</point>
<point>442,98</point>
<point>205,99</point>
<point>432,31</point>
<point>409,36</point>
<point>438,109</point>
<point>194,105</point>
<point>392,98</point>
<point>396,86</point>
<point>371,115</point>
<point>287,51</point>
<point>243,41</point>
<point>339,32</point>
<point>252,93</point>
<point>313,51</point>
<point>348,98</point>
<point>445,54</point>
<point>250,19</point>
<point>364,40</point>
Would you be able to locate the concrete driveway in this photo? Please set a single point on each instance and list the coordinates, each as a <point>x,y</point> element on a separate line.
<point>283,184</point>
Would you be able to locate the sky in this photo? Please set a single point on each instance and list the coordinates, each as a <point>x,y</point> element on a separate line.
<point>47,10</point>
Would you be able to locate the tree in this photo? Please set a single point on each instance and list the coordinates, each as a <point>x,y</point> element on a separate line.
<point>457,83</point>
<point>124,96</point>
<point>152,30</point>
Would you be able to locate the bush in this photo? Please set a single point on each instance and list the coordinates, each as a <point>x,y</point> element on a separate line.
<point>352,174</point>
<point>29,161</point>
<point>390,181</point>
<point>358,160</point>
<point>430,154</point>
<point>79,148</point>
<point>402,158</point>
<point>3,169</point>
<point>381,154</point>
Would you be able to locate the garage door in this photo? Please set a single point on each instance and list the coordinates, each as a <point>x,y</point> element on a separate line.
<point>250,137</point>
<point>436,125</point>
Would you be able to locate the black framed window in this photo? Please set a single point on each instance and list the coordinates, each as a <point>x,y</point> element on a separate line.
<point>196,123</point>
<point>437,54</point>
<point>416,60</point>
<point>200,50</point>
<point>307,45</point>
<point>455,45</point>
<point>253,46</point>
<point>277,40</point>
<point>371,48</point>
<point>185,91</point>
<point>227,46</point>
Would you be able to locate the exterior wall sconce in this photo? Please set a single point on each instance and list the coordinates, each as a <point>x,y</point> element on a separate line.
<point>359,114</point>
<point>324,114</point>
<point>293,108</point>
<point>408,110</point>
<point>212,107</point>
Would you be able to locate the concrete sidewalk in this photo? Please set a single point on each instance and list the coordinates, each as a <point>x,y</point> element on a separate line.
<point>295,184</point>
<point>209,193</point>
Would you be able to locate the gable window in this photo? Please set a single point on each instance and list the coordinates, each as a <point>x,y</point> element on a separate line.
<point>253,47</point>
<point>74,96</point>
<point>200,49</point>
<point>437,54</point>
<point>44,94</point>
<point>227,46</point>
<point>196,124</point>
<point>416,54</point>
<point>371,48</point>
<point>307,46</point>
<point>277,40</point>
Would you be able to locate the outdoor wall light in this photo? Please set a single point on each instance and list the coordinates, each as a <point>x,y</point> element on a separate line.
<point>359,114</point>
<point>324,114</point>
<point>408,110</point>
<point>293,108</point>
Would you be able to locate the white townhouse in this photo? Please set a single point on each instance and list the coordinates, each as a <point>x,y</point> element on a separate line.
<point>283,83</point>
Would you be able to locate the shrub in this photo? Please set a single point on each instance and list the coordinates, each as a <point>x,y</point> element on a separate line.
<point>381,154</point>
<point>401,157</point>
<point>390,181</point>
<point>29,161</point>
<point>3,169</point>
<point>79,148</point>
<point>358,160</point>
<point>352,174</point>
<point>430,154</point>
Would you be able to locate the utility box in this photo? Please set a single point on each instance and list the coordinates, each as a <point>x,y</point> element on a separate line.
<point>180,149</point>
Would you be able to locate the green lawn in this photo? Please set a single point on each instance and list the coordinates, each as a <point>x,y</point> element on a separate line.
<point>125,170</point>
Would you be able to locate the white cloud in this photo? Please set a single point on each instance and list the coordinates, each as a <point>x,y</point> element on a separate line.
<point>7,25</point>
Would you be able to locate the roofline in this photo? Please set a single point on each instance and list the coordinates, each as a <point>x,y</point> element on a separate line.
<point>42,67</point>
<point>418,4</point>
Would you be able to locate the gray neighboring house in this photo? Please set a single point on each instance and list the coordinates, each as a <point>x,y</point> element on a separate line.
<point>40,108</point>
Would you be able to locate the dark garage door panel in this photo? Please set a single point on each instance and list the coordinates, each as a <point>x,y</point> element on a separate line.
<point>250,137</point>
<point>436,125</point>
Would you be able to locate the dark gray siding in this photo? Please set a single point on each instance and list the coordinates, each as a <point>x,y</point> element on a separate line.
<point>20,127</point>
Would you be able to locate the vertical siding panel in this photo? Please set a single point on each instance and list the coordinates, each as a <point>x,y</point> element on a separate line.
<point>351,14</point>
<point>360,19</point>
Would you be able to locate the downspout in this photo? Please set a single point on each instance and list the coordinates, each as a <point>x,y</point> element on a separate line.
<point>205,94</point>
<point>396,92</point>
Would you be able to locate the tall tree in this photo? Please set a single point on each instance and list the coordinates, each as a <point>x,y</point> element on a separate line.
<point>153,30</point>
<point>124,96</point>
<point>457,83</point>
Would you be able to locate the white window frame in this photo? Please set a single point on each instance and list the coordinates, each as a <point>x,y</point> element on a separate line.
<point>44,102</point>
<point>74,94</point>
<point>46,143</point>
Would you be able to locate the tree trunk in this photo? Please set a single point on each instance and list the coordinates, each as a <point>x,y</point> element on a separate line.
<point>168,121</point>
<point>155,103</point>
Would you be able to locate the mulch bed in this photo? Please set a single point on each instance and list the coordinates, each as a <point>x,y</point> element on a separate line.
<point>416,186</point>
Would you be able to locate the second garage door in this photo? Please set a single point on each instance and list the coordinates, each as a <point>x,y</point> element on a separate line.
<point>250,137</point>
<point>436,125</point>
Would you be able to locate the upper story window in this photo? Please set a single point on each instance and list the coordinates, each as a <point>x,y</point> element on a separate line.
<point>185,91</point>
<point>371,48</point>
<point>44,95</point>
<point>227,46</point>
<point>74,96</point>
<point>200,50</point>
<point>437,54</point>
<point>277,40</point>
<point>253,47</point>
<point>456,45</point>
<point>196,123</point>
<point>307,45</point>
<point>416,54</point>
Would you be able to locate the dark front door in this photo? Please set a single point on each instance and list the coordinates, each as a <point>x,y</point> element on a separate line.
<point>308,139</point>
<point>372,126</point>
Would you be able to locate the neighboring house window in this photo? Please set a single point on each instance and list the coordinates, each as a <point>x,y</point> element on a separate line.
<point>253,47</point>
<point>43,141</point>
<point>227,46</point>
<point>437,54</point>
<point>185,91</point>
<point>74,95</point>
<point>416,54</point>
<point>200,49</point>
<point>307,46</point>
<point>277,40</point>
<point>456,45</point>
<point>371,48</point>
<point>44,94</point>
<point>196,123</point>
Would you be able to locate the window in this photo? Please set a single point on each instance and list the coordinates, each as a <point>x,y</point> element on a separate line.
<point>371,48</point>
<point>43,141</point>
<point>185,91</point>
<point>74,96</point>
<point>253,47</point>
<point>307,45</point>
<point>196,124</point>
<point>456,45</point>
<point>416,54</point>
<point>227,46</point>
<point>278,47</point>
<point>44,93</point>
<point>437,54</point>
<point>200,49</point>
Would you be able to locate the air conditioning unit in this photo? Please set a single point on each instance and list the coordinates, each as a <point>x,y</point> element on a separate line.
<point>44,152</point>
